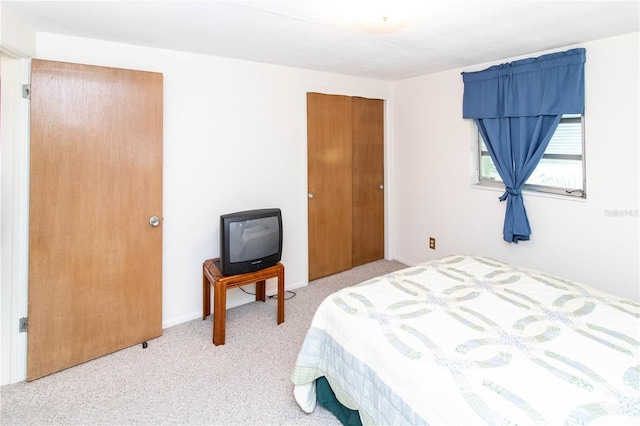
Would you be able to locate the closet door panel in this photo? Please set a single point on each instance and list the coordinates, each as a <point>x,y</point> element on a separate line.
<point>329,167</point>
<point>368,180</point>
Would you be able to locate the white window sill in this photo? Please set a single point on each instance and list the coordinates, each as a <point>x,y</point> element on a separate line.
<point>500,189</point>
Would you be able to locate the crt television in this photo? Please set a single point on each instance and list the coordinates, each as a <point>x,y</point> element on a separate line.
<point>250,240</point>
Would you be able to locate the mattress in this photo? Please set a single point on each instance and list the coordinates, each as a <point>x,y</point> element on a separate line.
<point>472,340</point>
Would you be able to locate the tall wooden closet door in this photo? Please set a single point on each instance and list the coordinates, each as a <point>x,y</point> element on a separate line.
<point>368,180</point>
<point>329,164</point>
<point>346,177</point>
<point>95,255</point>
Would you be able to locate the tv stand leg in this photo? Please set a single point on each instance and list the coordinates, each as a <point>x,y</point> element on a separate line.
<point>219,312</point>
<point>260,291</point>
<point>206,293</point>
<point>281,294</point>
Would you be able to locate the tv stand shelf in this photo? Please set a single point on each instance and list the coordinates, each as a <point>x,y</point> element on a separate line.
<point>211,276</point>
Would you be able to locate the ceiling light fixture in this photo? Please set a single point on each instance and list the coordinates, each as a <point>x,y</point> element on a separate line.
<point>383,16</point>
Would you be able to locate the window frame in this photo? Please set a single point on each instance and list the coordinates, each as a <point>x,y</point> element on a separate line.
<point>562,191</point>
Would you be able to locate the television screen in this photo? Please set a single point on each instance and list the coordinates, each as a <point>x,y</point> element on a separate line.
<point>253,239</point>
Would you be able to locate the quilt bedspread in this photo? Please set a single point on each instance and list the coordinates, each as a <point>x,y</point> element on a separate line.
<point>471,340</point>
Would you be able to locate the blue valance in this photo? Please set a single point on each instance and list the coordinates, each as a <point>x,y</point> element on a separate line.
<point>551,84</point>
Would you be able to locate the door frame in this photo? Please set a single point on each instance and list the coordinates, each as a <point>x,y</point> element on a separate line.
<point>388,157</point>
<point>15,217</point>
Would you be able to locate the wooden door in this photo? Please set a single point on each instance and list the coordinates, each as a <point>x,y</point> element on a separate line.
<point>368,180</point>
<point>345,149</point>
<point>329,163</point>
<point>95,262</point>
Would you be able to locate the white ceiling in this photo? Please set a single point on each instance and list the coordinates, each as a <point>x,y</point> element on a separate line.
<point>418,37</point>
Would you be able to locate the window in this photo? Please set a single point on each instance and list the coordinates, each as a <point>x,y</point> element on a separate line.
<point>561,169</point>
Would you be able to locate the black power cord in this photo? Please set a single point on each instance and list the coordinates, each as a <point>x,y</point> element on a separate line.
<point>273,296</point>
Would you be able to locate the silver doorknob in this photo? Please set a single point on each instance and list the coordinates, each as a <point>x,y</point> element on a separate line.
<point>154,221</point>
<point>310,195</point>
<point>381,186</point>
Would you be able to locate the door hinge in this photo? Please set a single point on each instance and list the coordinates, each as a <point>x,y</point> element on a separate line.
<point>22,326</point>
<point>26,91</point>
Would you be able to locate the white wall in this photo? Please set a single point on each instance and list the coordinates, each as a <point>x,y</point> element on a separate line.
<point>234,139</point>
<point>433,160</point>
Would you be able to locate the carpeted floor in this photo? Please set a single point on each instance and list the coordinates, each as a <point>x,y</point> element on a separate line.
<point>182,378</point>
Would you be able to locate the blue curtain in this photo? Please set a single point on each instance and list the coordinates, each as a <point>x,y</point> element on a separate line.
<point>517,107</point>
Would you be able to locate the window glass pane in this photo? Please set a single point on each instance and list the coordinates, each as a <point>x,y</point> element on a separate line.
<point>487,169</point>
<point>557,173</point>
<point>567,139</point>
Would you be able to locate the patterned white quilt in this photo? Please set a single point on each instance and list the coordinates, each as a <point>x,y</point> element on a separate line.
<point>469,340</point>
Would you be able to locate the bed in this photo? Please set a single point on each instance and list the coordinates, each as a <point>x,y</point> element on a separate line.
<point>467,340</point>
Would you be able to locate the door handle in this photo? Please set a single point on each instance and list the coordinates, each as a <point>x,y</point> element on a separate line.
<point>310,195</point>
<point>154,221</point>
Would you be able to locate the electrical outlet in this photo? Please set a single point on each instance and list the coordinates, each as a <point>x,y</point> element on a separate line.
<point>432,243</point>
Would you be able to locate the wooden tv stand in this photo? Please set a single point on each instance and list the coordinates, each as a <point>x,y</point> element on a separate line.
<point>211,276</point>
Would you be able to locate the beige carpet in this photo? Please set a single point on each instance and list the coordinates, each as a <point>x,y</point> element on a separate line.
<point>182,378</point>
